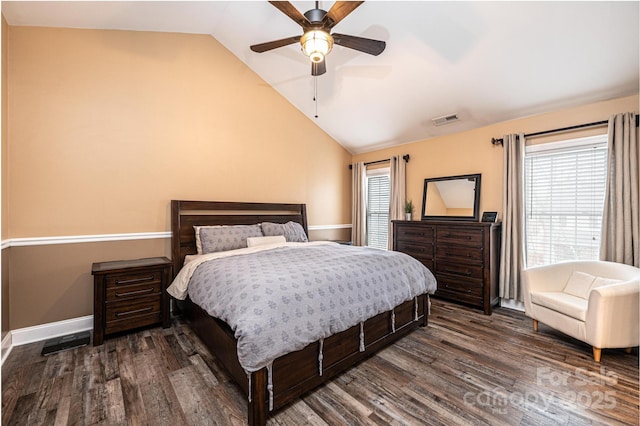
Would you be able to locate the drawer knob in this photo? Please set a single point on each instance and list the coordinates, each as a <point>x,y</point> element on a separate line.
<point>137,311</point>
<point>132,293</point>
<point>134,280</point>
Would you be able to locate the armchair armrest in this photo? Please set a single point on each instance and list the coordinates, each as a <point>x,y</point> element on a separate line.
<point>612,315</point>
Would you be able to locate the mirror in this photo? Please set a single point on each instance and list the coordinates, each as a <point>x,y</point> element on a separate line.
<point>451,198</point>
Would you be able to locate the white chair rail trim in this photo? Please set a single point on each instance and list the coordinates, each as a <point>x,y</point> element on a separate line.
<point>43,241</point>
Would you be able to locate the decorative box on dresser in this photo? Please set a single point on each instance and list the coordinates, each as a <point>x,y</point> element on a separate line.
<point>129,294</point>
<point>463,256</point>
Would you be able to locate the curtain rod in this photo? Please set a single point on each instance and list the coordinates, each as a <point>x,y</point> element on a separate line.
<point>405,157</point>
<point>495,141</point>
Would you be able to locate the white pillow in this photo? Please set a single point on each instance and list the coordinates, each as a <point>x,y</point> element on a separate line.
<point>259,241</point>
<point>579,284</point>
<point>602,282</point>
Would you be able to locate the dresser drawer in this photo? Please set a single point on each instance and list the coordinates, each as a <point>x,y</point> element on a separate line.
<point>460,297</point>
<point>414,233</point>
<point>415,249</point>
<point>428,262</point>
<point>466,236</point>
<point>459,269</point>
<point>133,278</point>
<point>460,254</point>
<point>464,290</point>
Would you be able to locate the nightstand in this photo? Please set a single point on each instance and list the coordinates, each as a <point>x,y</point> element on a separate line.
<point>129,294</point>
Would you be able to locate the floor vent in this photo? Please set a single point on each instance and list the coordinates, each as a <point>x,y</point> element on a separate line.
<point>445,119</point>
<point>63,343</point>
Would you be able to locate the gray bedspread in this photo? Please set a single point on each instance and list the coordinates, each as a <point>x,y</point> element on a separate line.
<point>280,300</point>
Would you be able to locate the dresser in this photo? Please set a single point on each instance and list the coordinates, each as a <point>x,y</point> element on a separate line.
<point>129,294</point>
<point>463,256</point>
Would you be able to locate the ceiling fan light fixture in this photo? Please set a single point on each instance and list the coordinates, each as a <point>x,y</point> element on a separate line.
<point>316,44</point>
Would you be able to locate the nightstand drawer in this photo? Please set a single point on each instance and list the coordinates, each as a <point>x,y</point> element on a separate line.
<point>129,291</point>
<point>129,323</point>
<point>127,309</point>
<point>128,279</point>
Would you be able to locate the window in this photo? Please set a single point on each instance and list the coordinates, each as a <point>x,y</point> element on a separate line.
<point>564,198</point>
<point>378,199</point>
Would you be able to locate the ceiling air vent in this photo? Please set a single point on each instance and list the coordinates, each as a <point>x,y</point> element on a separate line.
<point>445,119</point>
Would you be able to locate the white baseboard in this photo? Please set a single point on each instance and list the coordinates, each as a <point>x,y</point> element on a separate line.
<point>37,333</point>
<point>512,304</point>
<point>6,348</point>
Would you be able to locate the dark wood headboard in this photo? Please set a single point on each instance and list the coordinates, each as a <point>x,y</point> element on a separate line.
<point>186,214</point>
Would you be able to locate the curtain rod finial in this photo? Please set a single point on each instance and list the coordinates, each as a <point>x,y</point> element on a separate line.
<point>495,141</point>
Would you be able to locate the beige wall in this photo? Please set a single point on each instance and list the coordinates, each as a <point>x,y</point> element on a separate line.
<point>106,127</point>
<point>472,152</point>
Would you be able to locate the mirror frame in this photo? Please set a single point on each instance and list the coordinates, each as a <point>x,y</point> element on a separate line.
<point>476,199</point>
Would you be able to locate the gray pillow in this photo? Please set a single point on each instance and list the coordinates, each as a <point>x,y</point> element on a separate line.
<point>211,239</point>
<point>293,232</point>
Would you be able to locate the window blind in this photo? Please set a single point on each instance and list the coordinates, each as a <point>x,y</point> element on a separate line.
<point>564,199</point>
<point>378,200</point>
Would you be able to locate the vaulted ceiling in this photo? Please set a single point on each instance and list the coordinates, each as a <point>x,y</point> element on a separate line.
<point>487,62</point>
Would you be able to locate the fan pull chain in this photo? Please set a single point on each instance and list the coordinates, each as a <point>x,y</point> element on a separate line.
<point>315,94</point>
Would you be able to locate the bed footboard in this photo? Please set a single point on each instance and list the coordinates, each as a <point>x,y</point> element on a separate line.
<point>315,364</point>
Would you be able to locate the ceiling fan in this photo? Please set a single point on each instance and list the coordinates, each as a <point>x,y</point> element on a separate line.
<point>316,41</point>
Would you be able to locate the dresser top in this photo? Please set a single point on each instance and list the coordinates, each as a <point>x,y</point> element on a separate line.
<point>447,223</point>
<point>126,264</point>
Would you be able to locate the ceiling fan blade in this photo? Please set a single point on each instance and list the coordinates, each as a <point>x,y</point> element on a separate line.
<point>293,13</point>
<point>270,45</point>
<point>338,12</point>
<point>366,45</point>
<point>318,68</point>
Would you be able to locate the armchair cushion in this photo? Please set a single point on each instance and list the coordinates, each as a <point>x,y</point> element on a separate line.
<point>567,304</point>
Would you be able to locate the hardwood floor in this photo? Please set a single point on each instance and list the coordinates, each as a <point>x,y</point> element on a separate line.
<point>464,368</point>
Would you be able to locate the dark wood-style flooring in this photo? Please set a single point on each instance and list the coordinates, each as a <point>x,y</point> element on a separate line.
<point>464,368</point>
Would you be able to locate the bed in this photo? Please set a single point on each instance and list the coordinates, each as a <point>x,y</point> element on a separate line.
<point>268,389</point>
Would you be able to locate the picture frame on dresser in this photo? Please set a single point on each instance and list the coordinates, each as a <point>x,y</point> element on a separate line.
<point>489,217</point>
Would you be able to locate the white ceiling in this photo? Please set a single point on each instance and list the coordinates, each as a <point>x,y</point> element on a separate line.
<point>486,61</point>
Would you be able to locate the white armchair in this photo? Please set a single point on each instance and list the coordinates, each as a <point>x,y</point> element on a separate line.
<point>593,301</point>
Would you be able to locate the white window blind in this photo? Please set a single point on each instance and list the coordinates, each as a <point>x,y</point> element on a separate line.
<point>564,199</point>
<point>378,199</point>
